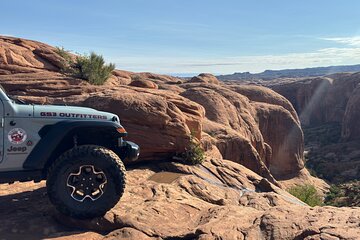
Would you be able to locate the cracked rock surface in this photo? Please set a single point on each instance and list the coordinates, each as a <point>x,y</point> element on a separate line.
<point>216,200</point>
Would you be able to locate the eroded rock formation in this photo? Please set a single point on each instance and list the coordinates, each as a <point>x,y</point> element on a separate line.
<point>160,112</point>
<point>322,100</point>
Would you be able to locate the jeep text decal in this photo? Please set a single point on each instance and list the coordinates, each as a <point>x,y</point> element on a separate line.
<point>16,150</point>
<point>72,115</point>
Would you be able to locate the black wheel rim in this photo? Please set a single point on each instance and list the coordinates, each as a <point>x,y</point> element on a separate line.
<point>86,182</point>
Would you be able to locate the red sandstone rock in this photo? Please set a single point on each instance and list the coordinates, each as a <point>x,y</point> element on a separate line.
<point>218,199</point>
<point>204,78</point>
<point>143,83</point>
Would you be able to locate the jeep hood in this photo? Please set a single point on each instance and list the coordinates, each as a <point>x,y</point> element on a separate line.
<point>70,112</point>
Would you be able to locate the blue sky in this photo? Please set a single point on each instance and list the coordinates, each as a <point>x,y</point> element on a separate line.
<point>193,36</point>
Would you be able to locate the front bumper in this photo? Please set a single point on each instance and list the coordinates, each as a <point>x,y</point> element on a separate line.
<point>131,151</point>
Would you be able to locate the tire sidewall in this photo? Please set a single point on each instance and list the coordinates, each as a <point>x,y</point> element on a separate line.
<point>60,193</point>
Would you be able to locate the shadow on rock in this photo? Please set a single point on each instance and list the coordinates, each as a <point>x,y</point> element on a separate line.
<point>30,215</point>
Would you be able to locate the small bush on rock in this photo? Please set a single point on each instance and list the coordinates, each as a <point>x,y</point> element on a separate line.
<point>91,68</point>
<point>137,78</point>
<point>194,153</point>
<point>63,53</point>
<point>307,193</point>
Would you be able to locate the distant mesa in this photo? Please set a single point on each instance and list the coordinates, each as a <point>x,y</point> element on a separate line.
<point>291,73</point>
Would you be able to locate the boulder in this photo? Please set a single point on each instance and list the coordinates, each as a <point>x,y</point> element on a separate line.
<point>122,77</point>
<point>204,78</point>
<point>143,83</point>
<point>160,124</point>
<point>257,93</point>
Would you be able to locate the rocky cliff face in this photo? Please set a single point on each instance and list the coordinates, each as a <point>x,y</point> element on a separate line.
<point>321,100</point>
<point>351,128</point>
<point>328,109</point>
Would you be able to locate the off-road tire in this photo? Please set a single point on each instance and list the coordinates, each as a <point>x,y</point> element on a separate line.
<point>97,156</point>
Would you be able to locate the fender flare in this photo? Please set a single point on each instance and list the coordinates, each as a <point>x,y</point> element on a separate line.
<point>52,135</point>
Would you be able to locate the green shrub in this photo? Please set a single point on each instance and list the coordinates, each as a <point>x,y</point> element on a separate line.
<point>91,68</point>
<point>347,194</point>
<point>137,78</point>
<point>63,53</point>
<point>194,153</point>
<point>307,193</point>
<point>333,194</point>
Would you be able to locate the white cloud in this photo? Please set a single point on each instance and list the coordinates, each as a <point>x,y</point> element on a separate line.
<point>319,58</point>
<point>351,41</point>
<point>6,35</point>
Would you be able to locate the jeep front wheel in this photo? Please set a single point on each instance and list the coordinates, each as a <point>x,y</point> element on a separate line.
<point>86,181</point>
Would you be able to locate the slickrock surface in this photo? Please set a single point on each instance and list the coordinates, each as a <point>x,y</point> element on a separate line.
<point>219,199</point>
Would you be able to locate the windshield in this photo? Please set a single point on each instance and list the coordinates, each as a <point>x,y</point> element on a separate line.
<point>2,88</point>
<point>13,97</point>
